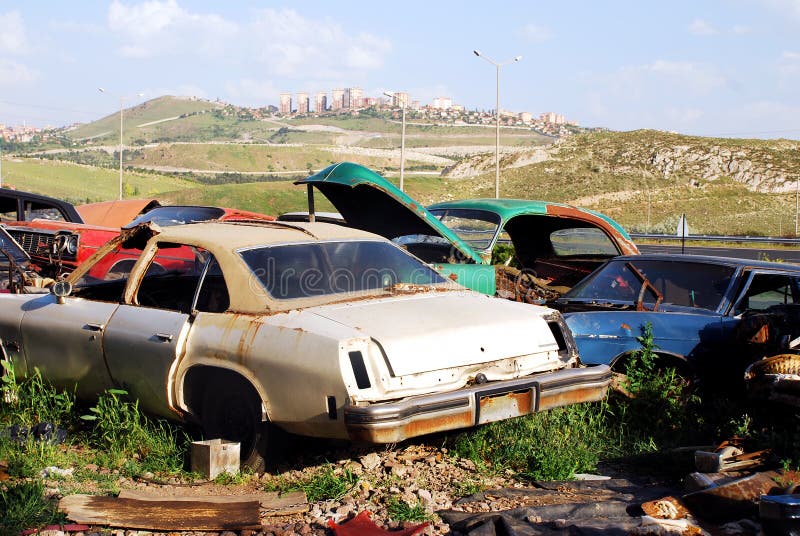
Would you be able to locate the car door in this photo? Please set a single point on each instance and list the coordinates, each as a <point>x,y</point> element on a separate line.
<point>65,340</point>
<point>146,336</point>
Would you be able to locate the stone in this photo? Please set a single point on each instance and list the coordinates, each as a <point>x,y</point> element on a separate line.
<point>425,496</point>
<point>370,461</point>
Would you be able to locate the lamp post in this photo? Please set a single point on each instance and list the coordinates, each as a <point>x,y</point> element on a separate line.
<point>497,114</point>
<point>121,110</point>
<point>402,136</point>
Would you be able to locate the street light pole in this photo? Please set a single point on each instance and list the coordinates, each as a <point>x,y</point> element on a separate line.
<point>121,113</point>
<point>402,138</point>
<point>497,118</point>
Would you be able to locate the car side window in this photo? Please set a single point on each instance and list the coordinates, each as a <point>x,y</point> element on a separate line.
<point>766,290</point>
<point>35,210</point>
<point>582,241</point>
<point>106,279</point>
<point>183,278</point>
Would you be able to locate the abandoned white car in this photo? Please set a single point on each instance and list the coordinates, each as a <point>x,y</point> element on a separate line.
<point>315,328</point>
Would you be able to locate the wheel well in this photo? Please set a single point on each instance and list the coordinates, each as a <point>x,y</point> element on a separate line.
<point>201,378</point>
<point>664,359</point>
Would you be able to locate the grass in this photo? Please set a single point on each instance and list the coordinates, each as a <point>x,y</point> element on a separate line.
<point>147,112</point>
<point>400,510</point>
<point>82,184</point>
<point>23,505</point>
<point>328,484</point>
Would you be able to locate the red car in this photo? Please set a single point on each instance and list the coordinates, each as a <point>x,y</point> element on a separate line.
<point>58,246</point>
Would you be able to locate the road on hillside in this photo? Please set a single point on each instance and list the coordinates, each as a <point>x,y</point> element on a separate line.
<point>787,255</point>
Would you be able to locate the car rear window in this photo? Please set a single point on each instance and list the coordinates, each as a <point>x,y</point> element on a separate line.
<point>321,268</point>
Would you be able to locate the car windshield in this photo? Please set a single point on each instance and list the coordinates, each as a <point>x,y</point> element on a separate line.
<point>690,284</point>
<point>166,216</point>
<point>475,227</point>
<point>324,268</point>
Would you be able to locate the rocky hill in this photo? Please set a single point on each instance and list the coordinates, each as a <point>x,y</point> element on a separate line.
<point>660,158</point>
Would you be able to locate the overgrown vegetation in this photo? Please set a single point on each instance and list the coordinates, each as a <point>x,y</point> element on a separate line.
<point>659,411</point>
<point>131,441</point>
<point>40,437</point>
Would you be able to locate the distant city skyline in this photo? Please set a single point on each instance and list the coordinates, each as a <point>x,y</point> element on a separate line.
<point>716,68</point>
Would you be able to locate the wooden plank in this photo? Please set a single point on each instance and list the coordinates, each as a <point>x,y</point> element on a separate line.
<point>272,503</point>
<point>163,515</point>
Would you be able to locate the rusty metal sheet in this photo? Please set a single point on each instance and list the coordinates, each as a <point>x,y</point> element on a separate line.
<point>164,515</point>
<point>733,500</point>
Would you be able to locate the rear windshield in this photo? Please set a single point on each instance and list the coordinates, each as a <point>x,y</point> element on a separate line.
<point>691,284</point>
<point>322,268</point>
<point>166,216</point>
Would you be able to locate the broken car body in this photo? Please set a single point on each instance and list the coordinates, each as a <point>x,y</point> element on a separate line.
<point>553,245</point>
<point>318,329</point>
<point>696,306</point>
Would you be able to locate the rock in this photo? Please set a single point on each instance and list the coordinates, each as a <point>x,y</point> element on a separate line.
<point>370,461</point>
<point>91,467</point>
<point>227,533</point>
<point>425,496</point>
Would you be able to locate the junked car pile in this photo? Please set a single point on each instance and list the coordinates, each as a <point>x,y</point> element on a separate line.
<point>319,329</point>
<point>364,329</point>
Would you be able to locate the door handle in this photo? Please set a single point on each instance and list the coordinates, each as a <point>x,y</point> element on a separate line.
<point>166,337</point>
<point>94,327</point>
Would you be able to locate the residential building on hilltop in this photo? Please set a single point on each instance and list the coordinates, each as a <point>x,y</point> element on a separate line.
<point>285,103</point>
<point>302,103</point>
<point>321,102</point>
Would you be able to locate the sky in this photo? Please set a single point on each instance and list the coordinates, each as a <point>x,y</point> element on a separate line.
<point>726,68</point>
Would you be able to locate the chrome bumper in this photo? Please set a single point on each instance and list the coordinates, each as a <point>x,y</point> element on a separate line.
<point>477,404</point>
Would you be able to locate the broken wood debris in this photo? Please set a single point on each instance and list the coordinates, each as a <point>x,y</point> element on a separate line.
<point>162,515</point>
<point>271,503</point>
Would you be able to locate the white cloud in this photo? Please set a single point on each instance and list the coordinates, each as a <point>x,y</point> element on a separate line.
<point>248,90</point>
<point>12,35</point>
<point>741,29</point>
<point>14,74</point>
<point>790,8</point>
<point>292,45</point>
<point>535,33</point>
<point>702,28</point>
<point>789,63</point>
<point>159,28</point>
<point>694,78</point>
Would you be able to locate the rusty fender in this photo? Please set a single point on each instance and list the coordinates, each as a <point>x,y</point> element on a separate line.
<point>477,404</point>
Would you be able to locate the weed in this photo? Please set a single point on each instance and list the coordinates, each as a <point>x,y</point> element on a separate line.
<point>330,484</point>
<point>662,403</point>
<point>465,488</point>
<point>226,479</point>
<point>402,511</point>
<point>23,506</point>
<point>34,400</point>
<point>130,440</point>
<point>552,445</point>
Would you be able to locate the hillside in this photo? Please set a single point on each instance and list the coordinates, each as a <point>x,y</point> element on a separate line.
<point>723,185</point>
<point>140,119</point>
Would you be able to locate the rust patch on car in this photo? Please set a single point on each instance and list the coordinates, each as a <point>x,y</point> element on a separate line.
<point>575,396</point>
<point>415,428</point>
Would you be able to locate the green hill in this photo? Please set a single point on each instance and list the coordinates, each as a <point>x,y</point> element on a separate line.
<point>163,109</point>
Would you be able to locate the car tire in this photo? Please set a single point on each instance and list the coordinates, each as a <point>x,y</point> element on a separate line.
<point>232,411</point>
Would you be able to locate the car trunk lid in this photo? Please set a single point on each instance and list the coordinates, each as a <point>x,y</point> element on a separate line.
<point>472,328</point>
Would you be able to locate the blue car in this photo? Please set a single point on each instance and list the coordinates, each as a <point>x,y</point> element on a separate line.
<point>696,306</point>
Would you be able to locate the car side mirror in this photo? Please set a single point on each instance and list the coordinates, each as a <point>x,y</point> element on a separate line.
<point>61,289</point>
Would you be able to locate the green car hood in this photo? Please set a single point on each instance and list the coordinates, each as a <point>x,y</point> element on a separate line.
<point>369,202</point>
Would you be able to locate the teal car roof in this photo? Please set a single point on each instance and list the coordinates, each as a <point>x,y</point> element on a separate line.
<point>510,208</point>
